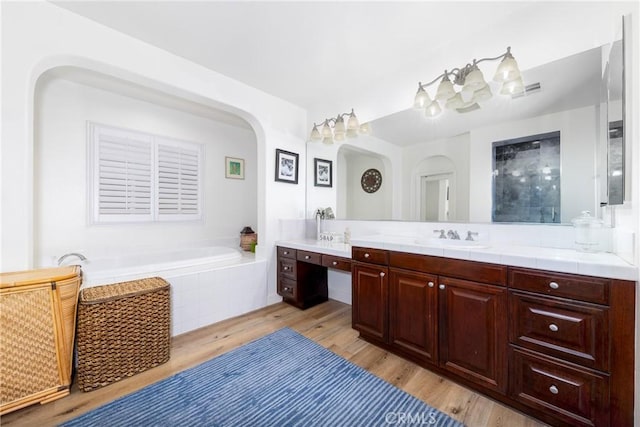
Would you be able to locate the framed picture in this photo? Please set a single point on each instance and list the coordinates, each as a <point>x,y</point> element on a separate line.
<point>286,166</point>
<point>322,172</point>
<point>234,168</point>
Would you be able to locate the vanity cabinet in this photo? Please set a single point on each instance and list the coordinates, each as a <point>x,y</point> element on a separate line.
<point>302,275</point>
<point>473,331</point>
<point>427,312</point>
<point>557,346</point>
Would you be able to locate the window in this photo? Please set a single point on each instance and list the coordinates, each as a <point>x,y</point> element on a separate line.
<point>138,177</point>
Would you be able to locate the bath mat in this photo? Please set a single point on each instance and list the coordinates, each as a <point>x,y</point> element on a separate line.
<point>282,379</point>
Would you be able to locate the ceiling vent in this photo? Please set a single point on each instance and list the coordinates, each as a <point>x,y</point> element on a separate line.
<point>528,90</point>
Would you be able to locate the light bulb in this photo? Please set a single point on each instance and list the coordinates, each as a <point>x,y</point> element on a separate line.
<point>339,126</point>
<point>507,70</point>
<point>433,109</point>
<point>315,133</point>
<point>326,130</point>
<point>339,136</point>
<point>353,121</point>
<point>512,87</point>
<point>482,94</point>
<point>422,99</point>
<point>474,80</point>
<point>445,89</point>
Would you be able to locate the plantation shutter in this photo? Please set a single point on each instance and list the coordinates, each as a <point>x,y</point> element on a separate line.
<point>124,176</point>
<point>178,180</point>
<point>140,177</point>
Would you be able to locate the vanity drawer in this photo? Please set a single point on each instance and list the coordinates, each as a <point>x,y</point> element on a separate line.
<point>339,263</point>
<point>576,396</point>
<point>573,331</point>
<point>372,256</point>
<point>583,288</point>
<point>286,252</point>
<point>310,257</point>
<point>288,289</point>
<point>287,268</point>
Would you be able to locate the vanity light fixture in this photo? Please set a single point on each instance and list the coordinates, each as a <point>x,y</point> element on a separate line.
<point>334,128</point>
<point>474,88</point>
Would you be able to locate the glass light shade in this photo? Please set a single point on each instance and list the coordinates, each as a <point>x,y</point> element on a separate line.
<point>339,136</point>
<point>482,94</point>
<point>353,124</point>
<point>445,90</point>
<point>339,126</point>
<point>433,109</point>
<point>422,99</point>
<point>326,131</point>
<point>507,70</point>
<point>327,140</point>
<point>474,80</point>
<point>315,134</point>
<point>352,133</point>
<point>512,87</point>
<point>454,102</point>
<point>365,129</point>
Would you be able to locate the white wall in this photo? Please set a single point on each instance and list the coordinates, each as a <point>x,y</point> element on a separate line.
<point>38,36</point>
<point>60,212</point>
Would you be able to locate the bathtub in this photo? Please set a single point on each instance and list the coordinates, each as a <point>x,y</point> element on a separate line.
<point>208,284</point>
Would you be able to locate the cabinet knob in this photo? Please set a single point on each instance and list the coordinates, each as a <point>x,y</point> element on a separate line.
<point>441,286</point>
<point>430,284</point>
<point>553,327</point>
<point>554,285</point>
<point>286,252</point>
<point>285,268</point>
<point>366,255</point>
<point>553,389</point>
<point>382,274</point>
<point>307,257</point>
<point>334,263</point>
<point>285,289</point>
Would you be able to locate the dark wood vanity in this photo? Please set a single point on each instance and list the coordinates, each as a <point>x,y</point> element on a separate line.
<point>302,275</point>
<point>557,346</point>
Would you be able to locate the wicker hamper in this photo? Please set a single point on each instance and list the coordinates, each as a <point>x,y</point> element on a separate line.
<point>123,329</point>
<point>37,326</point>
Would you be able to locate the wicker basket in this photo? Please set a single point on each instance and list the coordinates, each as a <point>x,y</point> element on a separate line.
<point>37,325</point>
<point>123,329</point>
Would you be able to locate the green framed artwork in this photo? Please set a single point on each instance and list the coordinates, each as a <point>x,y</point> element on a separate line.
<point>234,168</point>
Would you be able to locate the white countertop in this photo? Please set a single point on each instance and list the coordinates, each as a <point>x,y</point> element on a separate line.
<point>599,264</point>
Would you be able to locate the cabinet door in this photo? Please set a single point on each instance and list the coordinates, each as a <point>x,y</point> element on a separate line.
<point>413,313</point>
<point>473,331</point>
<point>370,300</point>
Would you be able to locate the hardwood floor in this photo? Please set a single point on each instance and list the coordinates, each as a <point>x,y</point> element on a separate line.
<point>328,324</point>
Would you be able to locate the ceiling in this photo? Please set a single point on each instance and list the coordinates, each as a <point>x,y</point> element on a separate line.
<point>328,57</point>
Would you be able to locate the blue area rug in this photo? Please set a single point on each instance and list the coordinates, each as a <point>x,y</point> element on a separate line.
<point>282,379</point>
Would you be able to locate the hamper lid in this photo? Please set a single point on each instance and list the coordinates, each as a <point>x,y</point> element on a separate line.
<point>42,275</point>
<point>114,291</point>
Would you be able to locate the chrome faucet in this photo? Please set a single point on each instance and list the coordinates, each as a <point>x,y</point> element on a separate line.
<point>452,234</point>
<point>470,235</point>
<point>65,256</point>
<point>320,215</point>
<point>441,236</point>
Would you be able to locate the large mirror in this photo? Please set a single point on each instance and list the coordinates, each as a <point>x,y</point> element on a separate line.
<point>442,168</point>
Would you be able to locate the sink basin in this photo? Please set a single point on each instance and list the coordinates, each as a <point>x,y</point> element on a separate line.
<point>453,244</point>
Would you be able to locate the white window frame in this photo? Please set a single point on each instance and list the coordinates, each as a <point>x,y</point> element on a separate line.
<point>188,167</point>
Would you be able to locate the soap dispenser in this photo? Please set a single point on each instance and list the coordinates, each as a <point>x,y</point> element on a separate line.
<point>587,231</point>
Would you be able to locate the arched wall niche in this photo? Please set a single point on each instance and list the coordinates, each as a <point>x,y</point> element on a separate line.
<point>123,84</point>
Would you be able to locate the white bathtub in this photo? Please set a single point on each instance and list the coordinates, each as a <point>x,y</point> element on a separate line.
<point>208,284</point>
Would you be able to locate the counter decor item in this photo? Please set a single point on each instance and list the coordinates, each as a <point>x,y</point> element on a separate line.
<point>37,329</point>
<point>587,231</point>
<point>248,239</point>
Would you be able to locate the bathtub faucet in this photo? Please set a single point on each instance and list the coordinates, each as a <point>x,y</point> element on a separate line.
<point>76,254</point>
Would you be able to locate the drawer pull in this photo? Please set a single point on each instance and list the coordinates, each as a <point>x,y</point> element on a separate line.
<point>285,289</point>
<point>367,255</point>
<point>554,285</point>
<point>553,327</point>
<point>441,286</point>
<point>307,257</point>
<point>286,252</point>
<point>553,389</point>
<point>382,274</point>
<point>430,284</point>
<point>334,263</point>
<point>285,268</point>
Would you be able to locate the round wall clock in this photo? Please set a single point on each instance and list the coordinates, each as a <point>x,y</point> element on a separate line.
<point>371,180</point>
